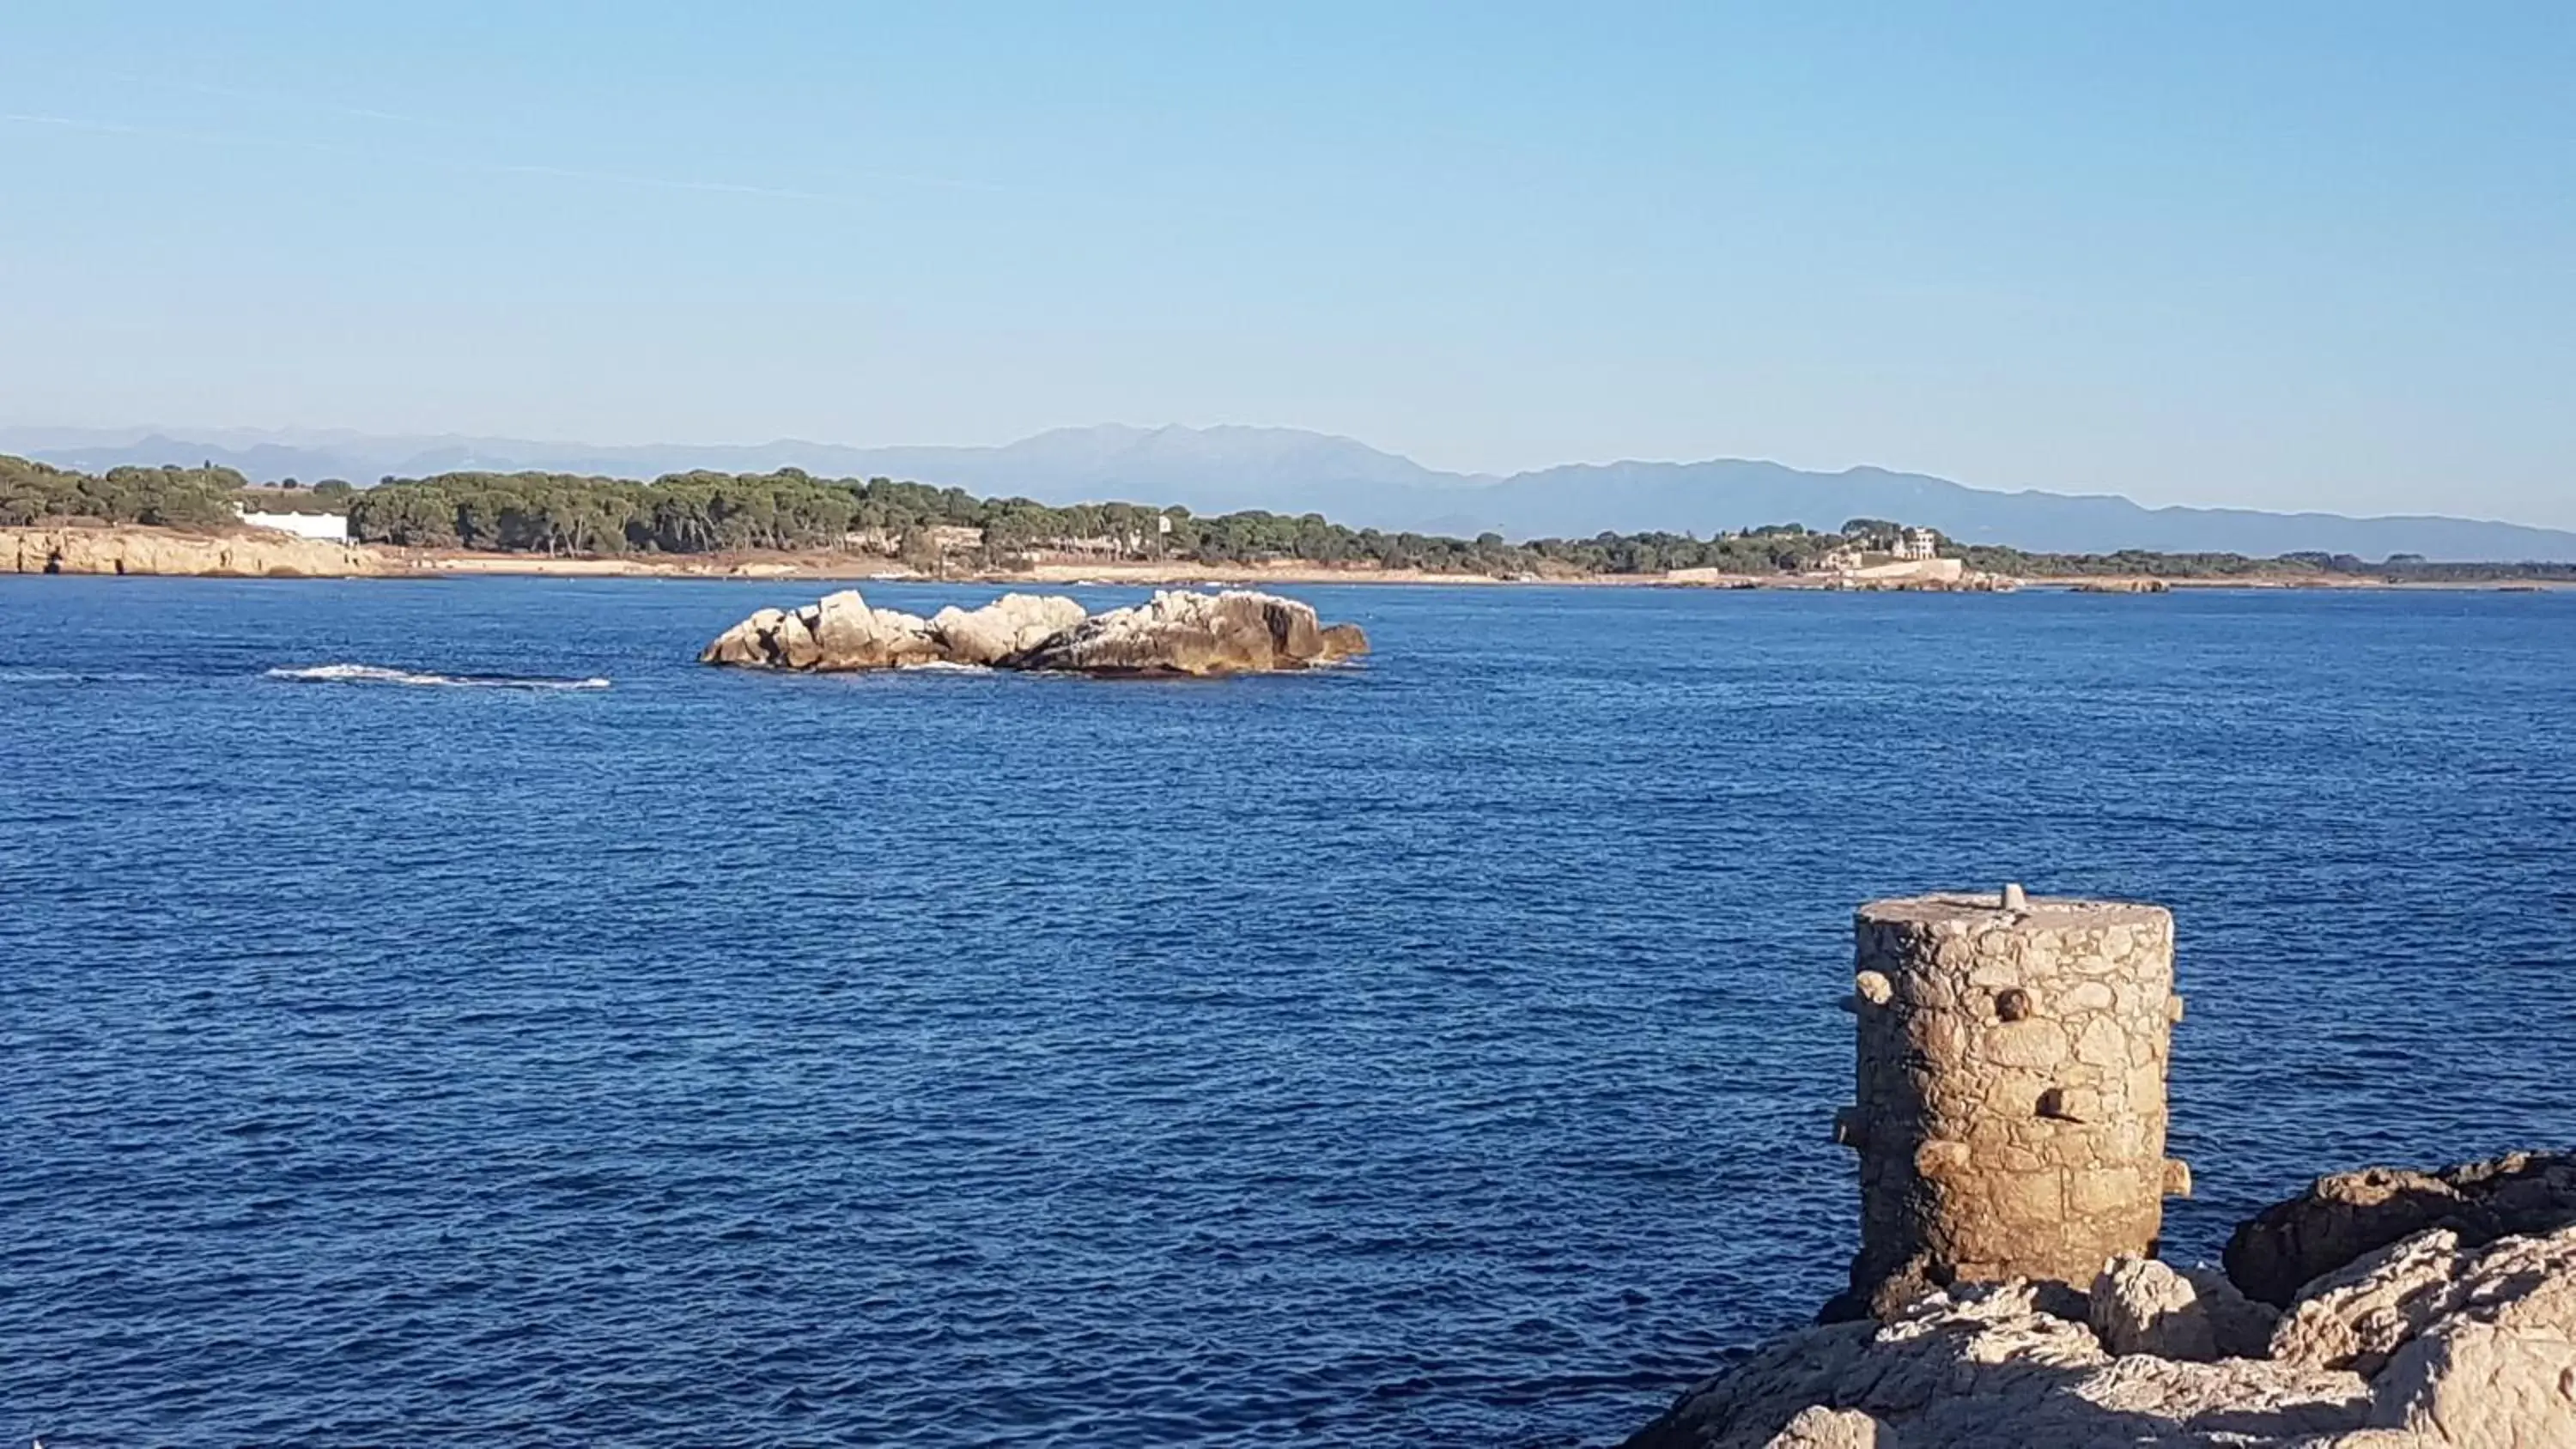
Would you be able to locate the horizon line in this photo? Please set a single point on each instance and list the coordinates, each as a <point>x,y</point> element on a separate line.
<point>175,434</point>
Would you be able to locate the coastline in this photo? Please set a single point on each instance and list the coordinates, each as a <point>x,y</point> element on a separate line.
<point>708,721</point>
<point>131,549</point>
<point>794,567</point>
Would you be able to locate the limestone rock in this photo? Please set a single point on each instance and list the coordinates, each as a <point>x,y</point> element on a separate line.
<point>838,633</point>
<point>1176,633</point>
<point>751,643</point>
<point>1235,632</point>
<point>1012,624</point>
<point>844,626</point>
<point>2140,1305</point>
<point>2479,1344</point>
<point>1754,1399</point>
<point>2478,1385</point>
<point>793,638</point>
<point>902,639</point>
<point>2484,1357</point>
<point>2358,1315</point>
<point>1982,1366</point>
<point>1344,641</point>
<point>2342,1217</point>
<point>1823,1428</point>
<point>2339,1219</point>
<point>248,553</point>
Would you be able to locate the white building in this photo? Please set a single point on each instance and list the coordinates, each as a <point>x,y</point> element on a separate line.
<point>331,526</point>
<point>1918,543</point>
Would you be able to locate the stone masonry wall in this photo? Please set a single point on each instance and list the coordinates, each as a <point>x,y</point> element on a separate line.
<point>2011,1110</point>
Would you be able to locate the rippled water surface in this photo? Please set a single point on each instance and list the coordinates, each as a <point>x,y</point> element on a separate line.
<point>1437,1052</point>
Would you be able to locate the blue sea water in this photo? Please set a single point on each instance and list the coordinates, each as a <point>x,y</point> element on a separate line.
<point>1434,1052</point>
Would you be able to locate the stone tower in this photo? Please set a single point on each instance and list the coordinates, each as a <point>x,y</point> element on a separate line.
<point>2011,1113</point>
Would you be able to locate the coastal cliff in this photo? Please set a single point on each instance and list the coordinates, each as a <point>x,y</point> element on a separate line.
<point>245,553</point>
<point>1174,633</point>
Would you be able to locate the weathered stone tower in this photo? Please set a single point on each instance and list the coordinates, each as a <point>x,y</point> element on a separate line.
<point>2011,1116</point>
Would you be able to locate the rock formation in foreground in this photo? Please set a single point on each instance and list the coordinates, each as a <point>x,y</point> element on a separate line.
<point>2010,1119</point>
<point>2426,1342</point>
<point>2288,1245</point>
<point>248,553</point>
<point>1174,633</point>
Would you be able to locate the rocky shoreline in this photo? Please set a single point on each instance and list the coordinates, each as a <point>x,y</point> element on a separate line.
<point>260,553</point>
<point>1174,633</point>
<point>2425,1310</point>
<point>246,553</point>
<point>2010,1116</point>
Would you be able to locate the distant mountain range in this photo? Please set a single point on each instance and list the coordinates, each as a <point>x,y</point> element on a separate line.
<point>1287,470</point>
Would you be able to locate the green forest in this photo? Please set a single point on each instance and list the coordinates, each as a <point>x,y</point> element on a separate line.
<point>947,528</point>
<point>167,497</point>
<point>788,509</point>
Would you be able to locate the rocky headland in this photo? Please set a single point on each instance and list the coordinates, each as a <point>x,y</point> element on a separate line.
<point>2428,1309</point>
<point>1174,633</point>
<point>244,553</point>
<point>2010,1122</point>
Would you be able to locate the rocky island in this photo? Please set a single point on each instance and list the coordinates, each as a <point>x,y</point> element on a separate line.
<point>1174,633</point>
<point>2010,1121</point>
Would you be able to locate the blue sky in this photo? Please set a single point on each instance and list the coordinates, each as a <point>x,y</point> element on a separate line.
<point>2280,255</point>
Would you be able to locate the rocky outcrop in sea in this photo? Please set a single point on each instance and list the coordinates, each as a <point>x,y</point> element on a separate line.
<point>1174,633</point>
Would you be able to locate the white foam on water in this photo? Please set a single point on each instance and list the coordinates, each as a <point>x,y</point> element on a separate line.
<point>945,666</point>
<point>378,674</point>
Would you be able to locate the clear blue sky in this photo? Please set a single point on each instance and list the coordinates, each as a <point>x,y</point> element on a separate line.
<point>2283,255</point>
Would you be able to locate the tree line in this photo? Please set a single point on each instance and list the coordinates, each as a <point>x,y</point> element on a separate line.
<point>929,527</point>
<point>32,492</point>
<point>707,512</point>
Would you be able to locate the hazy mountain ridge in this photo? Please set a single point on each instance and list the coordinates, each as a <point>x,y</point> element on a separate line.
<point>1289,470</point>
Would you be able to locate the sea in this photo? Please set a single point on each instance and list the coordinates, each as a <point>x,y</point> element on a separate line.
<point>440,1012</point>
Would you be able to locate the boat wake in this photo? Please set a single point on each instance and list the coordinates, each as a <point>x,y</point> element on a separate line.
<point>378,674</point>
